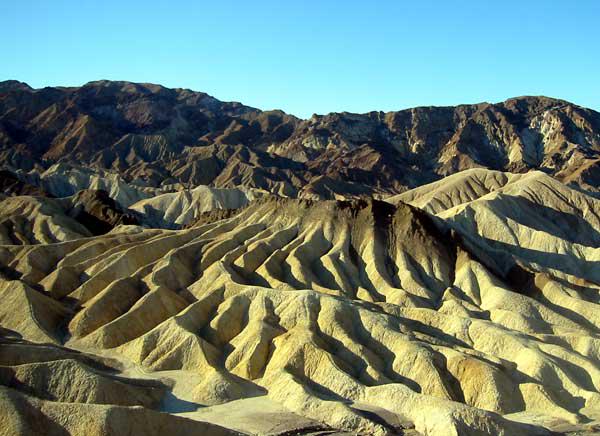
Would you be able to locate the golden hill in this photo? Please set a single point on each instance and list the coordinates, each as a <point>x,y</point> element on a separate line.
<point>464,307</point>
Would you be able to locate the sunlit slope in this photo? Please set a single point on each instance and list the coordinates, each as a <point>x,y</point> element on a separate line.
<point>176,209</point>
<point>529,218</point>
<point>462,323</point>
<point>31,220</point>
<point>456,189</point>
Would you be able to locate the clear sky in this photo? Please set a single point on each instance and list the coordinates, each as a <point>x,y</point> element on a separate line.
<point>313,56</point>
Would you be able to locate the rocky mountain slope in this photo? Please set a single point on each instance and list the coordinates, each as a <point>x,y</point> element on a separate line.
<point>161,136</point>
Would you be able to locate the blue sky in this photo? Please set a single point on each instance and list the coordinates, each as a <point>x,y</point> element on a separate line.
<point>313,56</point>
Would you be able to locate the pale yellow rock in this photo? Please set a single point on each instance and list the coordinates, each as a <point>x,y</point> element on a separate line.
<point>477,314</point>
<point>183,207</point>
<point>29,313</point>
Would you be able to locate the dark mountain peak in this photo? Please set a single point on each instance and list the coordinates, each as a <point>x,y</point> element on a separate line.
<point>104,83</point>
<point>14,85</point>
<point>534,104</point>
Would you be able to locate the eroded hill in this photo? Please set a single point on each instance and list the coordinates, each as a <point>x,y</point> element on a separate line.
<point>469,306</point>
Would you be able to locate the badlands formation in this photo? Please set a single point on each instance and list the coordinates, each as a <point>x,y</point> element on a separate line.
<point>173,264</point>
<point>468,306</point>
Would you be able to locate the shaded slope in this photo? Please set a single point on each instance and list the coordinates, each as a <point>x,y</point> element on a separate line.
<point>10,185</point>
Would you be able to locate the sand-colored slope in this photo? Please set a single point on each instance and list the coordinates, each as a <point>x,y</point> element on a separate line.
<point>31,220</point>
<point>537,221</point>
<point>519,218</point>
<point>21,414</point>
<point>173,210</point>
<point>65,180</point>
<point>51,390</point>
<point>360,316</point>
<point>30,313</point>
<point>40,220</point>
<point>456,189</point>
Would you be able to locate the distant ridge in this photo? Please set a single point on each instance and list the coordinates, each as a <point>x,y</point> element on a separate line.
<point>160,136</point>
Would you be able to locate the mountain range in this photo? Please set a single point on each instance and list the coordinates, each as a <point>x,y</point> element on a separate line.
<point>160,136</point>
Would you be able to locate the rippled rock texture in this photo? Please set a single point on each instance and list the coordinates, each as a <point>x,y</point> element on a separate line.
<point>467,306</point>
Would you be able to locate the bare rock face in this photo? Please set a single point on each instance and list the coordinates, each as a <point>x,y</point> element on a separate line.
<point>158,136</point>
<point>10,185</point>
<point>98,212</point>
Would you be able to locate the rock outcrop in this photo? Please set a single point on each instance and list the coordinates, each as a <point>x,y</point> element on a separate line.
<point>157,137</point>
